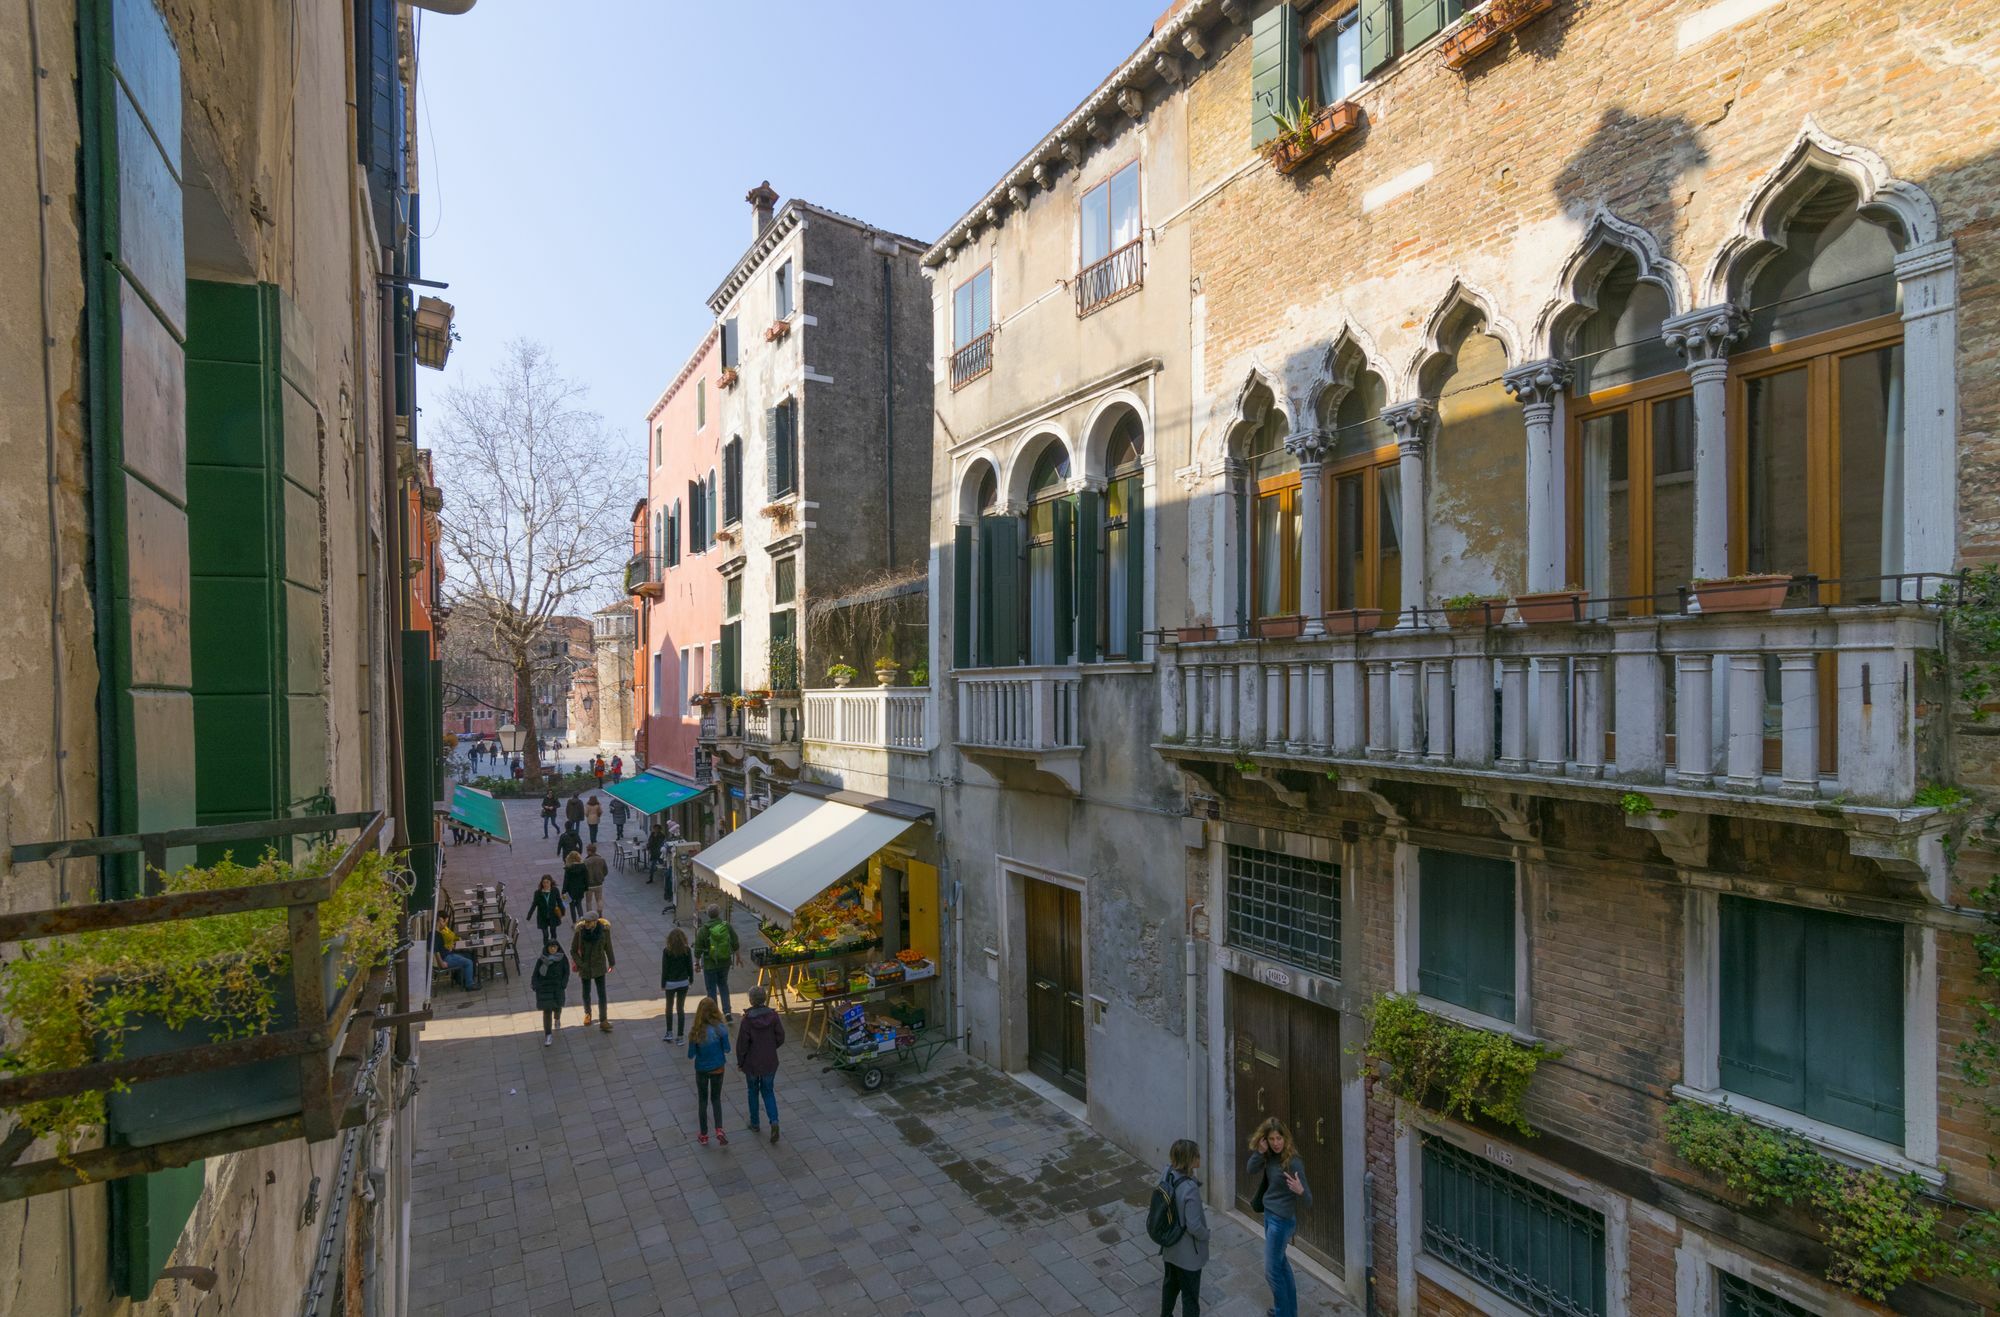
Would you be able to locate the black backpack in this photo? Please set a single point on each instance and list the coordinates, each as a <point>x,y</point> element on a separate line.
<point>1163,1217</point>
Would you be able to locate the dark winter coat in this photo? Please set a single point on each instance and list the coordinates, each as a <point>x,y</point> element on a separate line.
<point>546,908</point>
<point>574,810</point>
<point>569,843</point>
<point>551,981</point>
<point>590,948</point>
<point>676,971</point>
<point>549,805</point>
<point>576,880</point>
<point>758,1039</point>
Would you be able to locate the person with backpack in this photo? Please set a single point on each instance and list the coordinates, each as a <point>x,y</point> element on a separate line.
<point>590,955</point>
<point>550,980</point>
<point>708,1047</point>
<point>1281,1191</point>
<point>549,803</point>
<point>546,906</point>
<point>593,814</point>
<point>1176,1222</point>
<point>757,1047</point>
<point>676,977</point>
<point>719,947</point>
<point>620,811</point>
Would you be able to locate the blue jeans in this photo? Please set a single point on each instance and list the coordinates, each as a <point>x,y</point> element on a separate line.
<point>1278,1232</point>
<point>463,967</point>
<point>593,830</point>
<point>548,825</point>
<point>716,980</point>
<point>768,1086</point>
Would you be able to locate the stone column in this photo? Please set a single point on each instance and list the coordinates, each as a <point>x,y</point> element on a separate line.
<point>1412,422</point>
<point>1309,446</point>
<point>1929,279</point>
<point>1232,536</point>
<point>1537,386</point>
<point>1704,339</point>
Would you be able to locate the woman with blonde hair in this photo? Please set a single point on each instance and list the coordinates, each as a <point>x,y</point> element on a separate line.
<point>1281,1191</point>
<point>708,1047</point>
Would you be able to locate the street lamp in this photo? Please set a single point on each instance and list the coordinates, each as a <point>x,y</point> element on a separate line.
<point>510,739</point>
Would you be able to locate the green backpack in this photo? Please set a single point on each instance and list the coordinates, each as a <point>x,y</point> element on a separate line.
<point>716,943</point>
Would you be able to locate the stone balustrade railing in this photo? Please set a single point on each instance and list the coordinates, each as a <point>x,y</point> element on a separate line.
<point>872,717</point>
<point>1028,709</point>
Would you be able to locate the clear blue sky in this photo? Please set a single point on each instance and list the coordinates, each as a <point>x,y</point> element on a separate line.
<point>583,165</point>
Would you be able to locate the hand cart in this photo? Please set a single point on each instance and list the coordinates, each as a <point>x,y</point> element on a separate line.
<point>870,1065</point>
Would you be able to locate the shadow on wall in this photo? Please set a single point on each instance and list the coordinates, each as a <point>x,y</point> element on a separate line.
<point>1634,166</point>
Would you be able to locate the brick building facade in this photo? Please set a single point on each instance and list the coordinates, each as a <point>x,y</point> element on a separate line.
<point>1587,301</point>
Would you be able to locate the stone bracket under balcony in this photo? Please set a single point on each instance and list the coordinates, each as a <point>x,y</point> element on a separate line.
<point>1021,725</point>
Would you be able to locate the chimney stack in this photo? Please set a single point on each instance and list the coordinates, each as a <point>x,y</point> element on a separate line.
<point>761,199</point>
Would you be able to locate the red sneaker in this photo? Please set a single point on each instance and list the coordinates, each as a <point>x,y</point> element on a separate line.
<point>720,1137</point>
<point>702,1139</point>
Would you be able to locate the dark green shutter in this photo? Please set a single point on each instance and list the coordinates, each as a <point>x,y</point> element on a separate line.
<point>1762,982</point>
<point>708,522</point>
<point>1378,34</point>
<point>788,455</point>
<point>1274,69</point>
<point>1002,560</point>
<point>1064,622</point>
<point>694,516</point>
<point>727,647</point>
<point>1134,620</point>
<point>961,597</point>
<point>1089,523</point>
<point>771,454</point>
<point>1423,19</point>
<point>1465,931</point>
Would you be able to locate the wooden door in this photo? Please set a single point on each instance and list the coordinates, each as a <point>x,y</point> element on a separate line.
<point>1313,1082</point>
<point>1258,1043</point>
<point>1055,985</point>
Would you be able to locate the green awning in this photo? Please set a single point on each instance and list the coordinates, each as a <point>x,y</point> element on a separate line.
<point>650,792</point>
<point>475,809</point>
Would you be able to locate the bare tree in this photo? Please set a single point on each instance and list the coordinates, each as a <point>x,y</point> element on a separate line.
<point>540,500</point>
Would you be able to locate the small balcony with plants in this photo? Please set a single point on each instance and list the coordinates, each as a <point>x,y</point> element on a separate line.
<point>1305,130</point>
<point>643,576</point>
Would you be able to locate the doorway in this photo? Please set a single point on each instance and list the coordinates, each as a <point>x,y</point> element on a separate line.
<point>1285,1062</point>
<point>1055,984</point>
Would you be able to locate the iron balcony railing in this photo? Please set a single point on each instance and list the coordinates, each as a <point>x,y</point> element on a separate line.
<point>330,1052</point>
<point>972,360</point>
<point>642,574</point>
<point>1122,272</point>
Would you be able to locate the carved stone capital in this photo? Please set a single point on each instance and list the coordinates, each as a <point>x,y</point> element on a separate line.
<point>1538,383</point>
<point>1132,101</point>
<point>1018,197</point>
<point>1097,128</point>
<point>1192,43</point>
<point>1040,173</point>
<point>1167,67</point>
<point>1072,151</point>
<point>1309,446</point>
<point>1705,335</point>
<point>1412,422</point>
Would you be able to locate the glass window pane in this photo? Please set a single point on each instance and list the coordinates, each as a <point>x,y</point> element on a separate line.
<point>1673,498</point>
<point>786,580</point>
<point>982,303</point>
<point>1605,505</point>
<point>1871,471</point>
<point>961,316</point>
<point>1285,907</point>
<point>1348,546</point>
<point>1042,603</point>
<point>1124,206</point>
<point>1270,555</point>
<point>1389,540</point>
<point>1776,406</point>
<point>733,597</point>
<point>1096,224</point>
<point>1111,626</point>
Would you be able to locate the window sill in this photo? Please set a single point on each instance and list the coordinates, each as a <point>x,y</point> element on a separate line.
<point>1472,1019</point>
<point>1455,1282</point>
<point>1843,1145</point>
<point>1115,667</point>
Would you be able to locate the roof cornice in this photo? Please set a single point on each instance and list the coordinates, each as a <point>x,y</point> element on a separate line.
<point>1121,93</point>
<point>686,370</point>
<point>790,216</point>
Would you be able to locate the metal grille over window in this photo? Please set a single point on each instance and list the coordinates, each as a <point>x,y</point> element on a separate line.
<point>1286,908</point>
<point>1742,1299</point>
<point>1528,1244</point>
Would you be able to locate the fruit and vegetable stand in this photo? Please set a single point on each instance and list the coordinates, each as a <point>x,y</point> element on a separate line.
<point>827,998</point>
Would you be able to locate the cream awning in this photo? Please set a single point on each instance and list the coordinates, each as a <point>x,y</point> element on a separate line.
<point>795,850</point>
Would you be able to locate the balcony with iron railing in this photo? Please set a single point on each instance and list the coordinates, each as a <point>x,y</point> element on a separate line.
<point>1023,714</point>
<point>643,576</point>
<point>971,361</point>
<point>1103,282</point>
<point>1777,710</point>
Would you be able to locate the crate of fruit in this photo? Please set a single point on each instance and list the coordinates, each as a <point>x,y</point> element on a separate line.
<point>889,971</point>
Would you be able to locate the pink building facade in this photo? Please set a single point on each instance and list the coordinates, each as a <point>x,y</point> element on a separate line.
<point>681,606</point>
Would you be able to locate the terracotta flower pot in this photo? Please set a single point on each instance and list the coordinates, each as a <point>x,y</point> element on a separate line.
<point>1279,628</point>
<point>1550,606</point>
<point>1743,594</point>
<point>1487,612</point>
<point>1352,621</point>
<point>1191,635</point>
<point>1477,36</point>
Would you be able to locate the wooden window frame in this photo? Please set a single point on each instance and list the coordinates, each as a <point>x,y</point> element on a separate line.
<point>1820,355</point>
<point>1290,580</point>
<point>987,270</point>
<point>1368,580</point>
<point>1636,400</point>
<point>1314,24</point>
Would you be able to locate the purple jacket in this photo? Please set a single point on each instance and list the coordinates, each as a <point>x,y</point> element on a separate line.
<point>758,1039</point>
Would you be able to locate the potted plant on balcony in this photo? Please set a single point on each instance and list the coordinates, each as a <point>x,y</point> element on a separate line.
<point>1462,612</point>
<point>1478,34</point>
<point>1564,605</point>
<point>146,989</point>
<point>1352,621</point>
<point>1753,592</point>
<point>1280,628</point>
<point>727,378</point>
<point>920,673</point>
<point>886,669</point>
<point>840,674</point>
<point>780,329</point>
<point>1194,634</point>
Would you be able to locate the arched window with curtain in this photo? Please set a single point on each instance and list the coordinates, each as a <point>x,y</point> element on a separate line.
<point>1275,529</point>
<point>1121,560</point>
<point>1817,404</point>
<point>1051,550</point>
<point>1630,452</point>
<point>1364,498</point>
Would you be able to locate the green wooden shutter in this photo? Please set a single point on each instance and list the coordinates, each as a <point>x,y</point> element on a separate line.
<point>771,454</point>
<point>1423,19</point>
<point>1761,986</point>
<point>1274,69</point>
<point>1854,1024</point>
<point>1089,524</point>
<point>1378,34</point>
<point>694,516</point>
<point>1134,620</point>
<point>1065,601</point>
<point>1003,594</point>
<point>961,596</point>
<point>1465,925</point>
<point>728,646</point>
<point>708,522</point>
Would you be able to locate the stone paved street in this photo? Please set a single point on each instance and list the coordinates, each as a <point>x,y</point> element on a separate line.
<point>567,1180</point>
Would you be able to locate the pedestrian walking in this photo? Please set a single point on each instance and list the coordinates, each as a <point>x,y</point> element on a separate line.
<point>757,1044</point>
<point>719,947</point>
<point>571,840</point>
<point>597,768</point>
<point>549,804</point>
<point>1281,1191</point>
<point>550,979</point>
<point>676,977</point>
<point>708,1046</point>
<point>1184,1239</point>
<point>598,870</point>
<point>591,957</point>
<point>656,841</point>
<point>620,811</point>
<point>518,771</point>
<point>617,768</point>
<point>573,811</point>
<point>576,883</point>
<point>593,814</point>
<point>546,907</point>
